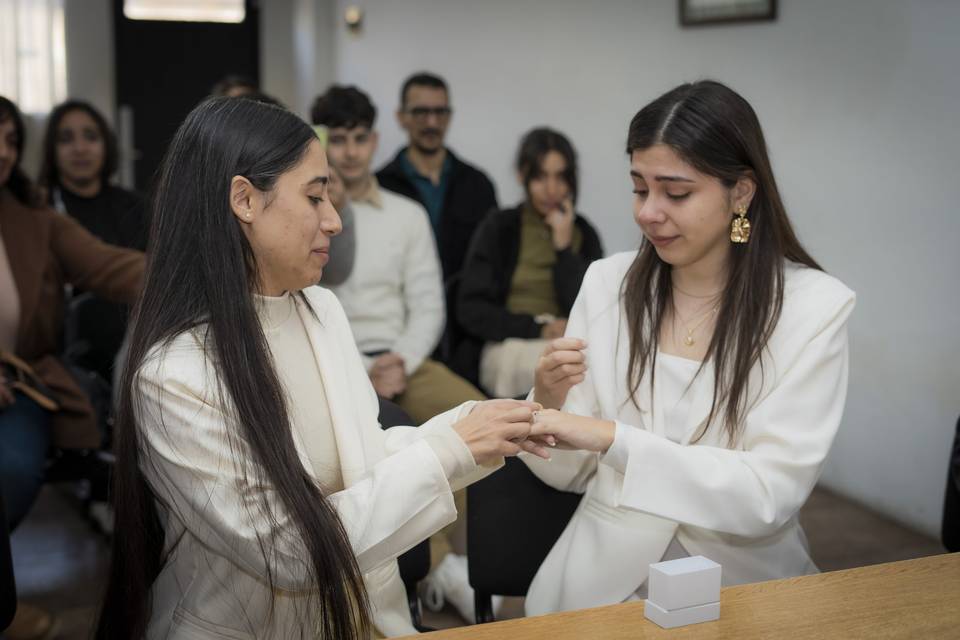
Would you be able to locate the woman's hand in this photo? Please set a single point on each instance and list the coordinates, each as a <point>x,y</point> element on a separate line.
<point>562,366</point>
<point>561,225</point>
<point>388,376</point>
<point>498,428</point>
<point>574,432</point>
<point>554,329</point>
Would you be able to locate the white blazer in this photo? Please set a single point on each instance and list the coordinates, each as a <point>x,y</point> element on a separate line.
<point>735,504</point>
<point>214,585</point>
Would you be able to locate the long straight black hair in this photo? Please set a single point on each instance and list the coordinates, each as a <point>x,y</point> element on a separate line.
<point>200,277</point>
<point>716,131</point>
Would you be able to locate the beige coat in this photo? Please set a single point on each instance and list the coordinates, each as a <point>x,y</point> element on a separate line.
<point>736,504</point>
<point>396,493</point>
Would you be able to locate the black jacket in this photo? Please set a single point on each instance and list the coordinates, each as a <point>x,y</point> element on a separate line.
<point>470,196</point>
<point>485,282</point>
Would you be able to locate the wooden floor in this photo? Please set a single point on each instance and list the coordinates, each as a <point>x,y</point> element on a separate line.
<point>60,561</point>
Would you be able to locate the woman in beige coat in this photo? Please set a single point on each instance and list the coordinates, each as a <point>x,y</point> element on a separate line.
<point>257,496</point>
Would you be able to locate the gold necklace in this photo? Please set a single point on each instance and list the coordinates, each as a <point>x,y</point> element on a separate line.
<point>688,340</point>
<point>690,295</point>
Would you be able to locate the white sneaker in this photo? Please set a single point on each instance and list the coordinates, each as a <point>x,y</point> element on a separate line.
<point>449,582</point>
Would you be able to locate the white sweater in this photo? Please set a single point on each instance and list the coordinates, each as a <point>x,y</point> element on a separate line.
<point>394,296</point>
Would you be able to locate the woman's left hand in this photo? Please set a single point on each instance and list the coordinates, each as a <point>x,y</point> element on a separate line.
<point>573,431</point>
<point>561,225</point>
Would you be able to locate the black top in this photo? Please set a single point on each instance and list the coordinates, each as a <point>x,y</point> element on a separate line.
<point>470,196</point>
<point>95,327</point>
<point>114,215</point>
<point>485,283</point>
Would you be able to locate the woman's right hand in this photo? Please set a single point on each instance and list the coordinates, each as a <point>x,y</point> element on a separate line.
<point>562,366</point>
<point>498,428</point>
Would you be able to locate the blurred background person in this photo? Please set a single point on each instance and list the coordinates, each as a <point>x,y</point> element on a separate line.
<point>79,161</point>
<point>41,403</point>
<point>455,194</point>
<point>524,270</point>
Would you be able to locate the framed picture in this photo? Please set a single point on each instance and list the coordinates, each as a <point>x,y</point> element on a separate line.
<point>702,12</point>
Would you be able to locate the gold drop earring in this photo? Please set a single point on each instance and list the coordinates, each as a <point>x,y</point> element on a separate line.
<point>740,228</point>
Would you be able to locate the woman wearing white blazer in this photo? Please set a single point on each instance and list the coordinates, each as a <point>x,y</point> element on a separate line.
<point>705,373</point>
<point>256,495</point>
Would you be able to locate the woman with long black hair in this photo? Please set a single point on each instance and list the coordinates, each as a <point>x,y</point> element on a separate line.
<point>256,495</point>
<point>715,376</point>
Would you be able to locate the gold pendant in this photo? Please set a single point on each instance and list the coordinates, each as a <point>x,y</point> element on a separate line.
<point>688,340</point>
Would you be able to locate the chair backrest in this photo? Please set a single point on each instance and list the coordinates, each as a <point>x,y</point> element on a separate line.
<point>513,520</point>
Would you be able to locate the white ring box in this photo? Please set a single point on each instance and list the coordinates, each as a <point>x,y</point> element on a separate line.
<point>681,617</point>
<point>683,591</point>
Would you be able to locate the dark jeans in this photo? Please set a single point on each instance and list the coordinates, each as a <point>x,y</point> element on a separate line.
<point>24,440</point>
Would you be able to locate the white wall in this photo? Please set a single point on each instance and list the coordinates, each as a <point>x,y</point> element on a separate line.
<point>296,50</point>
<point>858,100</point>
<point>91,73</point>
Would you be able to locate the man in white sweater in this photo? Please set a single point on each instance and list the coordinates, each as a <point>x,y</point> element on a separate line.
<point>394,295</point>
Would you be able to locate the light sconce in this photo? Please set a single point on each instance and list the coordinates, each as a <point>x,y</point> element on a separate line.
<point>353,17</point>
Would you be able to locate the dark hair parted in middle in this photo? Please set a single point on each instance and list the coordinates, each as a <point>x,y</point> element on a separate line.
<point>716,131</point>
<point>49,171</point>
<point>422,79</point>
<point>202,273</point>
<point>343,106</point>
<point>533,149</point>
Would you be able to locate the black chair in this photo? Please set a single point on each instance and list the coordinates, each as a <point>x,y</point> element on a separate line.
<point>415,563</point>
<point>452,333</point>
<point>513,520</point>
<point>88,469</point>
<point>951,504</point>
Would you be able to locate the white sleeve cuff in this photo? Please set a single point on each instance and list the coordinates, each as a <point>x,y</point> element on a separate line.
<point>616,456</point>
<point>453,453</point>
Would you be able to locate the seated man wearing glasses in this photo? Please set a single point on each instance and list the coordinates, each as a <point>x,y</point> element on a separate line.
<point>455,194</point>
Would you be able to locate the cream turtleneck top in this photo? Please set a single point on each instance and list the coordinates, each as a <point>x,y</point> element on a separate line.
<point>300,375</point>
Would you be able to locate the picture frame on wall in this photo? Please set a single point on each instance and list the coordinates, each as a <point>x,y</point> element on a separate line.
<point>694,13</point>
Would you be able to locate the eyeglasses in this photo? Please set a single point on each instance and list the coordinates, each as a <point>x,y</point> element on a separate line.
<point>422,113</point>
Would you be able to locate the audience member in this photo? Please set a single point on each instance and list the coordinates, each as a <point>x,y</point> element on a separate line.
<point>80,158</point>
<point>456,194</point>
<point>393,297</point>
<point>234,86</point>
<point>714,373</point>
<point>40,402</point>
<point>524,269</point>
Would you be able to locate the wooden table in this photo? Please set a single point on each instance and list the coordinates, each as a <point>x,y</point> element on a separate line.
<point>911,599</point>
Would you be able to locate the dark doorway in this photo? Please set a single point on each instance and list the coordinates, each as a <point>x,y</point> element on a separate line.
<point>165,68</point>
